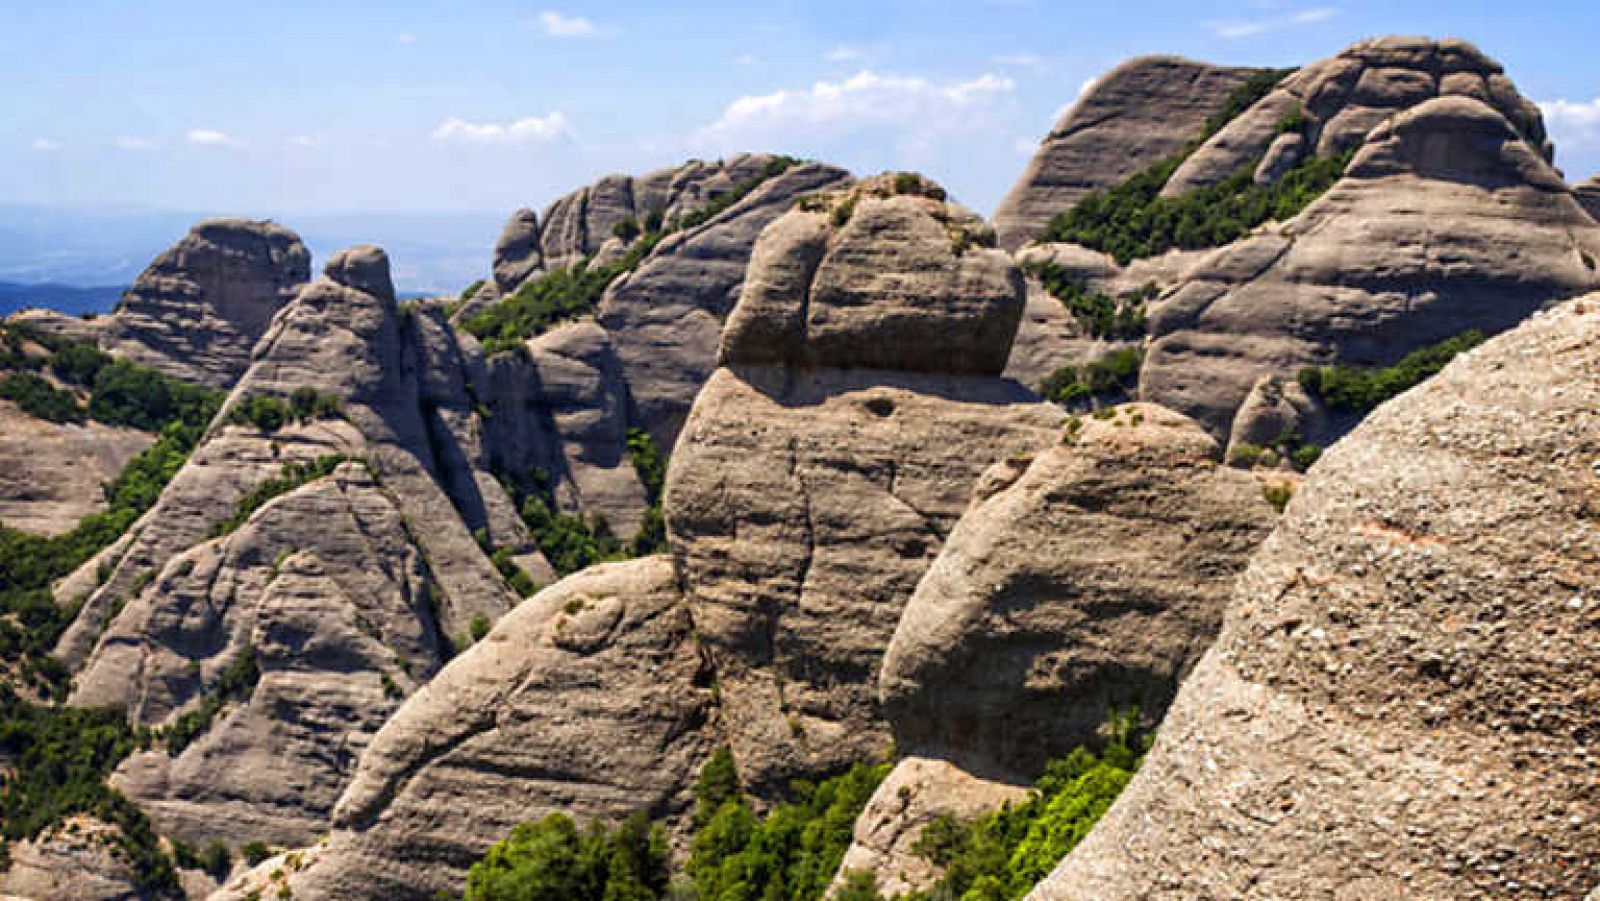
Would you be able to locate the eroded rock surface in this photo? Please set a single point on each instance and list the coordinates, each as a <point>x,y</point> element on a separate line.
<point>1401,700</point>
<point>197,311</point>
<point>1446,220</point>
<point>1588,194</point>
<point>51,473</point>
<point>1088,580</point>
<point>77,859</point>
<point>805,499</point>
<point>349,590</point>
<point>1138,113</point>
<point>1337,101</point>
<point>590,698</point>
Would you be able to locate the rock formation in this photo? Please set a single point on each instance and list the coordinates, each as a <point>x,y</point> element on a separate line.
<point>1083,581</point>
<point>51,473</point>
<point>1337,101</point>
<point>1446,220</point>
<point>197,311</point>
<point>77,859</point>
<point>566,406</point>
<point>807,493</point>
<point>1142,111</point>
<point>1588,194</point>
<point>592,698</point>
<point>1401,703</point>
<point>347,591</point>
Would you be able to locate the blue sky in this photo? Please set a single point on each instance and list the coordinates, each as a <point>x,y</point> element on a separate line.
<point>285,107</point>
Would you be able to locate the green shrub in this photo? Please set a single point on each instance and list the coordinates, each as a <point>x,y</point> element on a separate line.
<point>37,397</point>
<point>1244,455</point>
<point>479,627</point>
<point>1305,456</point>
<point>254,852</point>
<point>79,363</point>
<point>551,860</point>
<point>1132,219</point>
<point>270,414</point>
<point>58,759</point>
<point>1101,315</point>
<point>651,465</point>
<point>1278,494</point>
<point>292,475</point>
<point>216,861</point>
<point>792,852</point>
<point>474,288</point>
<point>142,398</point>
<point>1004,854</point>
<point>627,230</point>
<point>1359,389</point>
<point>235,683</point>
<point>568,542</point>
<point>1106,378</point>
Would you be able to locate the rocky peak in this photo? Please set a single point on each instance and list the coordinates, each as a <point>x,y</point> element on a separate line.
<point>364,268</point>
<point>1329,107</point>
<point>1446,220</point>
<point>197,311</point>
<point>1138,113</point>
<point>517,254</point>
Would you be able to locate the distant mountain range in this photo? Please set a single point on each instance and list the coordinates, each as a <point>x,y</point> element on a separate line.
<point>48,256</point>
<point>70,299</point>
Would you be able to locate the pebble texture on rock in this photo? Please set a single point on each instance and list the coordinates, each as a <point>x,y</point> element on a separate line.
<point>1402,701</point>
<point>197,311</point>
<point>1446,220</point>
<point>1138,113</point>
<point>804,503</point>
<point>590,699</point>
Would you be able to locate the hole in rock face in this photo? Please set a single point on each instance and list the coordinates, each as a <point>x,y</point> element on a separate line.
<point>879,406</point>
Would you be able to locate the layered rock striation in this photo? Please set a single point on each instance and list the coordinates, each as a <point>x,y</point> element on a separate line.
<point>200,307</point>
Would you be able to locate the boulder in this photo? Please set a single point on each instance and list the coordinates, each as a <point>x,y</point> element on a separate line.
<point>1401,702</point>
<point>891,286</point>
<point>1138,113</point>
<point>1447,220</point>
<point>590,699</point>
<point>86,328</point>
<point>517,254</point>
<point>808,493</point>
<point>197,311</point>
<point>1083,581</point>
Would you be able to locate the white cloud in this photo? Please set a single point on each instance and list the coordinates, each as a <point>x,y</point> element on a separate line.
<point>405,37</point>
<point>207,137</point>
<point>128,143</point>
<point>559,26</point>
<point>534,129</point>
<point>916,107</point>
<point>44,145</point>
<point>1232,29</point>
<point>304,141</point>
<point>746,59</point>
<point>1026,146</point>
<point>1572,124</point>
<point>843,53</point>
